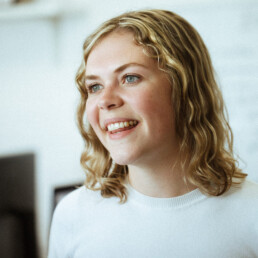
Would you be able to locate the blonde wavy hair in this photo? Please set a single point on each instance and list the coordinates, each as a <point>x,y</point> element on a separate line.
<point>206,140</point>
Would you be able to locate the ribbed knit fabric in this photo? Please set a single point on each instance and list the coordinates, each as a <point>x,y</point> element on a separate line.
<point>192,225</point>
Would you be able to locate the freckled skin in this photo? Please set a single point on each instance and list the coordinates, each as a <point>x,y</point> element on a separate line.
<point>148,101</point>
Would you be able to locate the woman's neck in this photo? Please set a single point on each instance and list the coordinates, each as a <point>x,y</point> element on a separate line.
<point>159,179</point>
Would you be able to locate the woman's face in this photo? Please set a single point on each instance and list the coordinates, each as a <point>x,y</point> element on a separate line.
<point>129,103</point>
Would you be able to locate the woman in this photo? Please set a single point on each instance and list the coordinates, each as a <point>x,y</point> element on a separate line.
<point>158,142</point>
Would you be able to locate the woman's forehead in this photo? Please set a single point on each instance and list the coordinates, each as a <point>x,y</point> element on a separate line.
<point>116,49</point>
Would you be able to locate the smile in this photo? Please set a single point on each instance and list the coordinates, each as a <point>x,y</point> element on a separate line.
<point>121,126</point>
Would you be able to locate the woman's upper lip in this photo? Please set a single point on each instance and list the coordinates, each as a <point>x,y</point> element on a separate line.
<point>116,120</point>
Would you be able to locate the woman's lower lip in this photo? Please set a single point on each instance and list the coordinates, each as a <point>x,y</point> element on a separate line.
<point>121,134</point>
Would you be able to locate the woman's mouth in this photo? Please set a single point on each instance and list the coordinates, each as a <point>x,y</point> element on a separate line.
<point>117,127</point>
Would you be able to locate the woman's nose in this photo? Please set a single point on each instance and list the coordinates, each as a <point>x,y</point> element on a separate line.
<point>110,99</point>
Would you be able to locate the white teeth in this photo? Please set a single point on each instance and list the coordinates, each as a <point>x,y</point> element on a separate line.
<point>116,126</point>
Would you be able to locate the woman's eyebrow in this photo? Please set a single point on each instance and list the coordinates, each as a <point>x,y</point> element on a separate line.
<point>117,70</point>
<point>123,67</point>
<point>91,77</point>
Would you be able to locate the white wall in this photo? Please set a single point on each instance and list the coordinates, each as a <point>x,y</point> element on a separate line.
<point>38,96</point>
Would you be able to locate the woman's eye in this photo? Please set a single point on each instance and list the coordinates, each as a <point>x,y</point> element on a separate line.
<point>94,88</point>
<point>131,78</point>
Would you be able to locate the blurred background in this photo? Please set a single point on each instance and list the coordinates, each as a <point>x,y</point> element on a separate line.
<point>40,51</point>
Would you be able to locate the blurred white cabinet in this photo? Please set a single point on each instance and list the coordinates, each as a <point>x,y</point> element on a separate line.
<point>40,10</point>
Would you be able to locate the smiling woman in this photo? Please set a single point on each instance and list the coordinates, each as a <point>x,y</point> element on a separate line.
<point>145,100</point>
<point>157,140</point>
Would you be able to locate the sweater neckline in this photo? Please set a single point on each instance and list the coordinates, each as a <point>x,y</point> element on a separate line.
<point>171,202</point>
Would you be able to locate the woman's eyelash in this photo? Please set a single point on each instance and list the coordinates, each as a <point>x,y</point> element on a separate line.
<point>128,79</point>
<point>131,78</point>
<point>92,88</point>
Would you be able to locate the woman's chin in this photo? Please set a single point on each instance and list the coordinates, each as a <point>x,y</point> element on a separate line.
<point>122,159</point>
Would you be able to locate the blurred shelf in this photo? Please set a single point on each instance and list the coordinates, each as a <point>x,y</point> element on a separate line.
<point>40,10</point>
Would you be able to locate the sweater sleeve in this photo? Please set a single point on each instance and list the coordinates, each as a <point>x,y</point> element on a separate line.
<point>61,232</point>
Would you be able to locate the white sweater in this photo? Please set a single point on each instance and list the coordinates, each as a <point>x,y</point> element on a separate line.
<point>193,225</point>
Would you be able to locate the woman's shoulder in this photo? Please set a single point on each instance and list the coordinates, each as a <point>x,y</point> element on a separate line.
<point>248,189</point>
<point>251,186</point>
<point>75,202</point>
<point>71,199</point>
<point>241,196</point>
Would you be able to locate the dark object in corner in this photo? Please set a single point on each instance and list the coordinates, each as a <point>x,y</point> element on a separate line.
<point>17,207</point>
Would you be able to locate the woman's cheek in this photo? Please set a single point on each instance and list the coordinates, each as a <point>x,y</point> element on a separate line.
<point>91,112</point>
